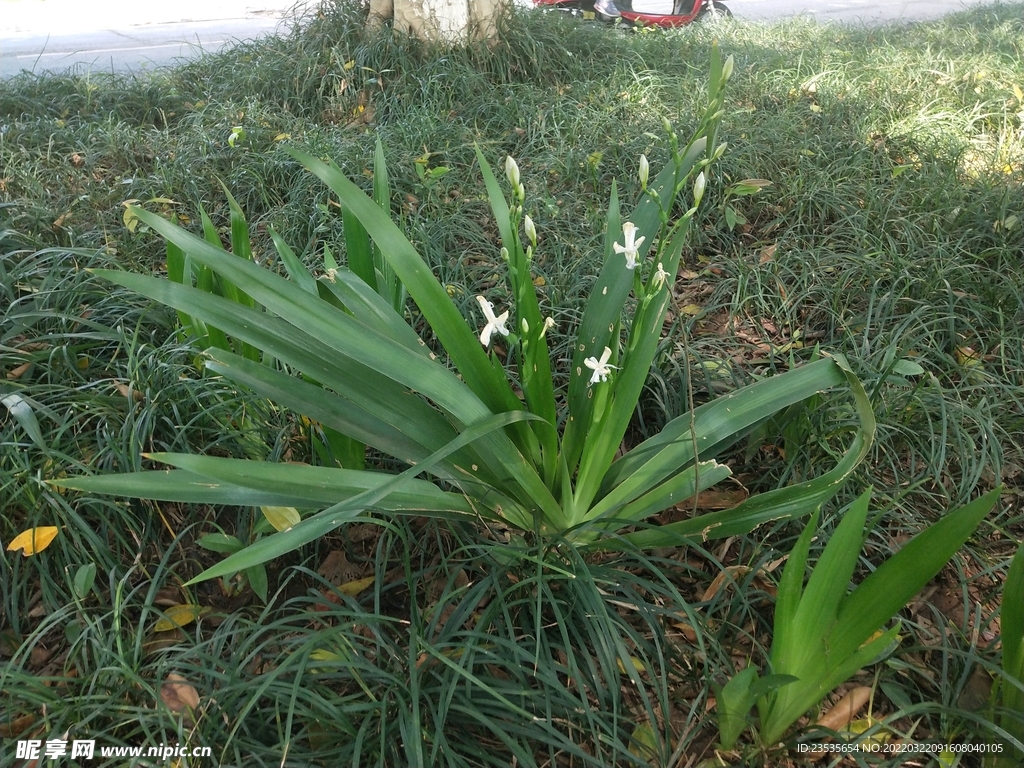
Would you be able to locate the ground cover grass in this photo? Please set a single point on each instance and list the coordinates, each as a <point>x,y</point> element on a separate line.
<point>892,232</point>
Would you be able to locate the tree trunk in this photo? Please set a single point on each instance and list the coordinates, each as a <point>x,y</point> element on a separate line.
<point>448,21</point>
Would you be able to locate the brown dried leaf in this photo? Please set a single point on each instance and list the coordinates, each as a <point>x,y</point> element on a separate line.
<point>125,391</point>
<point>687,630</point>
<point>16,373</point>
<point>768,253</point>
<point>178,694</point>
<point>336,569</point>
<point>718,498</point>
<point>844,710</point>
<point>731,573</point>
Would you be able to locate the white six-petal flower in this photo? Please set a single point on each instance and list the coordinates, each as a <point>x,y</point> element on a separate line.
<point>493,323</point>
<point>632,245</point>
<point>660,276</point>
<point>600,367</point>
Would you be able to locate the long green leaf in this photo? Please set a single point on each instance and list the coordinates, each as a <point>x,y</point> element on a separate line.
<point>212,487</point>
<point>718,424</point>
<point>789,503</point>
<point>296,269</point>
<point>895,582</point>
<point>824,593</point>
<point>385,417</point>
<point>679,488</point>
<point>434,302</point>
<point>357,248</point>
<point>21,410</point>
<point>535,367</point>
<point>644,338</point>
<point>364,344</point>
<point>329,519</point>
<point>1011,623</point>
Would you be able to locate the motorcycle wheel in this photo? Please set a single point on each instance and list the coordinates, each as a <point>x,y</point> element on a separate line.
<point>721,11</point>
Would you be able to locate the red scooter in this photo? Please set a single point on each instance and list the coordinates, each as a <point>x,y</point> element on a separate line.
<point>659,13</point>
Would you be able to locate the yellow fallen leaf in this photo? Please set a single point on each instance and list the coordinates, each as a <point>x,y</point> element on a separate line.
<point>539,280</point>
<point>691,309</point>
<point>177,616</point>
<point>637,665</point>
<point>324,655</point>
<point>282,136</point>
<point>353,588</point>
<point>644,743</point>
<point>33,540</point>
<point>282,518</point>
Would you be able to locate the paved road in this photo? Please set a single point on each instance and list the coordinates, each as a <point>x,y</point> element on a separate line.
<point>91,35</point>
<point>132,48</point>
<point>55,35</point>
<point>851,11</point>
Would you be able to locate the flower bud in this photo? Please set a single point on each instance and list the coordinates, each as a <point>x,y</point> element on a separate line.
<point>698,188</point>
<point>727,69</point>
<point>525,326</point>
<point>531,230</point>
<point>549,322</point>
<point>644,172</point>
<point>521,192</point>
<point>512,171</point>
<point>666,125</point>
<point>504,254</point>
<point>719,151</point>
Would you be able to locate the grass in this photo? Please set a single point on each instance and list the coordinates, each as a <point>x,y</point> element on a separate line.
<point>892,232</point>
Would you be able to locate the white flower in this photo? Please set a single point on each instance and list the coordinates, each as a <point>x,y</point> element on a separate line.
<point>600,367</point>
<point>493,323</point>
<point>660,276</point>
<point>549,322</point>
<point>631,247</point>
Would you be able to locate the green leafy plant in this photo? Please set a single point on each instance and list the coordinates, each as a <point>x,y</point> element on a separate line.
<point>543,462</point>
<point>822,633</point>
<point>1011,623</point>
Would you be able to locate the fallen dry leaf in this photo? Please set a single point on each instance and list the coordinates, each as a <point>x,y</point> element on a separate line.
<point>179,695</point>
<point>125,391</point>
<point>731,573</point>
<point>687,630</point>
<point>177,616</point>
<point>844,710</point>
<point>33,540</point>
<point>16,373</point>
